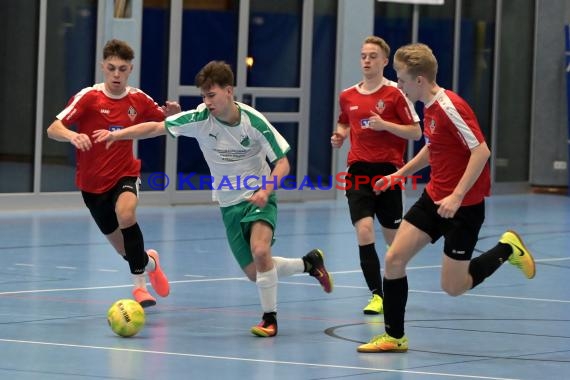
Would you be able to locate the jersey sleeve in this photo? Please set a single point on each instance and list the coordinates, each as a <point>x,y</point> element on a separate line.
<point>152,111</point>
<point>468,130</point>
<point>343,114</point>
<point>76,106</point>
<point>186,123</point>
<point>406,109</point>
<point>274,145</point>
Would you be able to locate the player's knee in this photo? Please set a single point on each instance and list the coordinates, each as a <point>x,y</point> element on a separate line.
<point>365,229</point>
<point>394,261</point>
<point>259,251</point>
<point>452,288</point>
<point>126,217</point>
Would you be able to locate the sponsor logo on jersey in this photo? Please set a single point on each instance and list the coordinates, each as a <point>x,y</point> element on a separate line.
<point>215,137</point>
<point>364,123</point>
<point>353,108</point>
<point>105,111</point>
<point>115,128</point>
<point>132,112</point>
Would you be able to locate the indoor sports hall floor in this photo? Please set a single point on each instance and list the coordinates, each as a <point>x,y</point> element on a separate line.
<point>58,276</point>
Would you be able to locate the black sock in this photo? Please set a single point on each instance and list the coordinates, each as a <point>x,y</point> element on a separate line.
<point>134,248</point>
<point>270,317</point>
<point>395,299</point>
<point>487,263</point>
<point>370,265</point>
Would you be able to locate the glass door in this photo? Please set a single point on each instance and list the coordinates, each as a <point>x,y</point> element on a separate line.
<point>268,44</point>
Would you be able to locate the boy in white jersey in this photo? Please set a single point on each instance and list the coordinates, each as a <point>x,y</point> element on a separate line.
<point>236,140</point>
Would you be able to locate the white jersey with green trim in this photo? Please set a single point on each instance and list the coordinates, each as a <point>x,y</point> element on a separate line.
<point>236,154</point>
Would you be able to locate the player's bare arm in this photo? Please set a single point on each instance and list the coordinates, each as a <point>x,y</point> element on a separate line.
<point>405,131</point>
<point>59,132</point>
<point>420,161</point>
<point>137,131</point>
<point>281,169</point>
<point>449,205</point>
<point>339,135</point>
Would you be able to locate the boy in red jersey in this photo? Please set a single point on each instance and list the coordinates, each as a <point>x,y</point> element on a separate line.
<point>108,178</point>
<point>380,120</point>
<point>452,205</point>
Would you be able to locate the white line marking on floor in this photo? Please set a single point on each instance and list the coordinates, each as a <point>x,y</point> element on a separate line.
<point>233,358</point>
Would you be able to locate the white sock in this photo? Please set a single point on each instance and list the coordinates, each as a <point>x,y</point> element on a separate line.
<point>151,265</point>
<point>288,267</point>
<point>139,280</point>
<point>267,287</point>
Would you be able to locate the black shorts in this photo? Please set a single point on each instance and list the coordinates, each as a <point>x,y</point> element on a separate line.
<point>102,206</point>
<point>460,232</point>
<point>363,202</point>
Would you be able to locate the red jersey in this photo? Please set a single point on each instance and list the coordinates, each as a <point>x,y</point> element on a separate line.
<point>451,130</point>
<point>92,108</point>
<point>368,145</point>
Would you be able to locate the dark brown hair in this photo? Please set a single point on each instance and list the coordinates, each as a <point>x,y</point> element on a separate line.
<point>119,49</point>
<point>215,72</point>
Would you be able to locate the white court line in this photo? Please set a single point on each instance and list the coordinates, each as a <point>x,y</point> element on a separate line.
<point>552,259</point>
<point>437,292</point>
<point>281,282</point>
<point>232,358</point>
<point>112,286</point>
<point>439,266</point>
<point>302,284</point>
<point>62,267</point>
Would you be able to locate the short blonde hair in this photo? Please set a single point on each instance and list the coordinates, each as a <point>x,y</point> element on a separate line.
<point>380,42</point>
<point>418,59</point>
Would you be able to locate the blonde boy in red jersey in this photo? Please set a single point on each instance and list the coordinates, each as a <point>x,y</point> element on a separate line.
<point>108,178</point>
<point>452,205</point>
<point>380,120</point>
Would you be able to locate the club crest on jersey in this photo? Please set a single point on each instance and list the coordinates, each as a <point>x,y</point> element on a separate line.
<point>132,112</point>
<point>380,105</point>
<point>244,141</point>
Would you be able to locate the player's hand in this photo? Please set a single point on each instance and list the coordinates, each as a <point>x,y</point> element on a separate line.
<point>387,182</point>
<point>375,122</point>
<point>81,141</point>
<point>101,135</point>
<point>448,206</point>
<point>259,198</point>
<point>337,139</point>
<point>171,108</point>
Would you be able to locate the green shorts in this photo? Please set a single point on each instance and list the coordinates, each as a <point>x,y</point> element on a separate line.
<point>238,219</point>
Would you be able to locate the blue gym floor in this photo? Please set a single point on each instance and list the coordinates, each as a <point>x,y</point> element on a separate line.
<point>58,276</point>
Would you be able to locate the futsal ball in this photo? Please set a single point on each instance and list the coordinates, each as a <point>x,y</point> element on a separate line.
<point>126,317</point>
